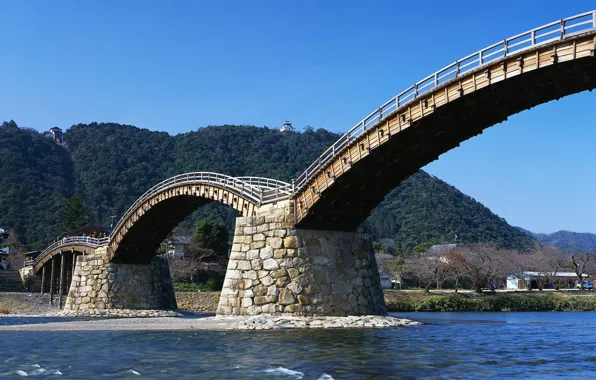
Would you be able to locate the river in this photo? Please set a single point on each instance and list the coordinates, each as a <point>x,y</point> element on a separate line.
<point>450,345</point>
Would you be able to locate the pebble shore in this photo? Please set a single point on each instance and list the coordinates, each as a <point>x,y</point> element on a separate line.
<point>160,320</point>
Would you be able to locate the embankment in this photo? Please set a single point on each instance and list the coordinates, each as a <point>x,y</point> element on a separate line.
<point>206,302</point>
<point>518,301</point>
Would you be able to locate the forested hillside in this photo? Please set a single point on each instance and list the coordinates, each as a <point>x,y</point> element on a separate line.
<point>424,209</point>
<point>36,175</point>
<point>110,165</point>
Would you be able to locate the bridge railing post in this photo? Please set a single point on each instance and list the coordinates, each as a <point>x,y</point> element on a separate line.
<point>562,29</point>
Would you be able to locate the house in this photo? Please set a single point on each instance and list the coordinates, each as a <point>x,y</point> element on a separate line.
<point>57,134</point>
<point>90,229</point>
<point>287,127</point>
<point>544,280</point>
<point>439,251</point>
<point>176,246</point>
<point>386,279</point>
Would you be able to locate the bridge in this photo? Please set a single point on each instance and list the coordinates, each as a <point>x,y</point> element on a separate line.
<point>296,246</point>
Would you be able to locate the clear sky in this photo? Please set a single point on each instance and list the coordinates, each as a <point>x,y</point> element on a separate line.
<point>178,65</point>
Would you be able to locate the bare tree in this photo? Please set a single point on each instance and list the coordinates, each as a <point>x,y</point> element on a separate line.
<point>548,262</point>
<point>427,269</point>
<point>185,268</point>
<point>455,268</point>
<point>579,262</point>
<point>487,265</point>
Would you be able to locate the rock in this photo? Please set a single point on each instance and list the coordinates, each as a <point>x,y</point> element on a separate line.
<point>286,297</point>
<point>270,264</point>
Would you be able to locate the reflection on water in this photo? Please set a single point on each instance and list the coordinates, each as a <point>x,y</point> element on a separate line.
<point>450,345</point>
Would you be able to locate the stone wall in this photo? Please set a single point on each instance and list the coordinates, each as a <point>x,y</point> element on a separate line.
<point>100,284</point>
<point>276,269</point>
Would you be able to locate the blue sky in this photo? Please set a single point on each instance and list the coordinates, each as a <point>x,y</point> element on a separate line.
<point>176,66</point>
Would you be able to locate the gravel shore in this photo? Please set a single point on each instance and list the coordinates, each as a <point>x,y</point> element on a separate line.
<point>260,322</point>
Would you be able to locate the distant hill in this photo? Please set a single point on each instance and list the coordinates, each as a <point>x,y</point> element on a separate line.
<point>110,165</point>
<point>583,241</point>
<point>424,209</point>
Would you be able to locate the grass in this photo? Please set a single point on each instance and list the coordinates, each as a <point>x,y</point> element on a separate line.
<point>534,301</point>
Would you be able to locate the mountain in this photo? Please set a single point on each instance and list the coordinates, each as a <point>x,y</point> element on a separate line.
<point>110,165</point>
<point>565,240</point>
<point>424,209</point>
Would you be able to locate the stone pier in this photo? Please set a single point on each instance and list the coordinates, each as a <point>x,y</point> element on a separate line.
<point>277,269</point>
<point>100,284</point>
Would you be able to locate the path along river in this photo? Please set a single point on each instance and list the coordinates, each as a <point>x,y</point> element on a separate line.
<point>450,345</point>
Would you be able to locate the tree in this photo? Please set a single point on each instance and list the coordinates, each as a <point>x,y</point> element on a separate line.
<point>548,261</point>
<point>212,236</point>
<point>74,214</point>
<point>427,269</point>
<point>488,265</point>
<point>394,267</point>
<point>455,267</point>
<point>578,263</point>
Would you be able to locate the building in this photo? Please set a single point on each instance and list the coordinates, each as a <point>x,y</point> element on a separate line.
<point>57,134</point>
<point>386,279</point>
<point>177,245</point>
<point>287,127</point>
<point>90,229</point>
<point>545,280</point>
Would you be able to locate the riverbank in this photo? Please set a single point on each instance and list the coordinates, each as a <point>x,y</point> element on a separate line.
<point>396,300</point>
<point>402,301</point>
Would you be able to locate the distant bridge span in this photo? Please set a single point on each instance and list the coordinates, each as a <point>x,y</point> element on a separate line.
<point>150,219</point>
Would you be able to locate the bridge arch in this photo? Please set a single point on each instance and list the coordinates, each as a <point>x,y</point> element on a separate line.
<point>153,216</point>
<point>339,190</point>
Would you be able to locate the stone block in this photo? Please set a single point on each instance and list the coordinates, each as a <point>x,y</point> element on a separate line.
<point>270,264</point>
<point>243,265</point>
<point>290,242</point>
<point>247,302</point>
<point>263,300</point>
<point>257,244</point>
<point>267,280</point>
<point>274,242</point>
<point>266,253</point>
<point>258,237</point>
<point>286,297</point>
<point>251,274</point>
<point>252,254</point>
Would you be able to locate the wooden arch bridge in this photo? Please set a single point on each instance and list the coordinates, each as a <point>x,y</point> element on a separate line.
<point>339,190</point>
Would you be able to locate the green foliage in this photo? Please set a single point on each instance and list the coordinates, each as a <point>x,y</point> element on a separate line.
<point>398,301</point>
<point>36,175</point>
<point>378,247</point>
<point>211,235</point>
<point>424,209</point>
<point>74,214</point>
<point>213,285</point>
<point>421,248</point>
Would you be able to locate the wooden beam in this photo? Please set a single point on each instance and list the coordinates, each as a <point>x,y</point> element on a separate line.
<point>52,280</point>
<point>43,278</point>
<point>61,286</point>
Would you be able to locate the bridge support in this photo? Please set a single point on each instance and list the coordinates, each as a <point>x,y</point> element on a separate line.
<point>276,269</point>
<point>100,284</point>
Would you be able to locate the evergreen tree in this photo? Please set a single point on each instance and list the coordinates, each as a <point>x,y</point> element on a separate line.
<point>74,214</point>
<point>211,235</point>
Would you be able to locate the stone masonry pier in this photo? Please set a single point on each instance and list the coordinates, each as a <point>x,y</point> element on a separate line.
<point>277,269</point>
<point>100,284</point>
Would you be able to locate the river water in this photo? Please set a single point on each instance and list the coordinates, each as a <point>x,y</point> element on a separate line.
<point>449,345</point>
